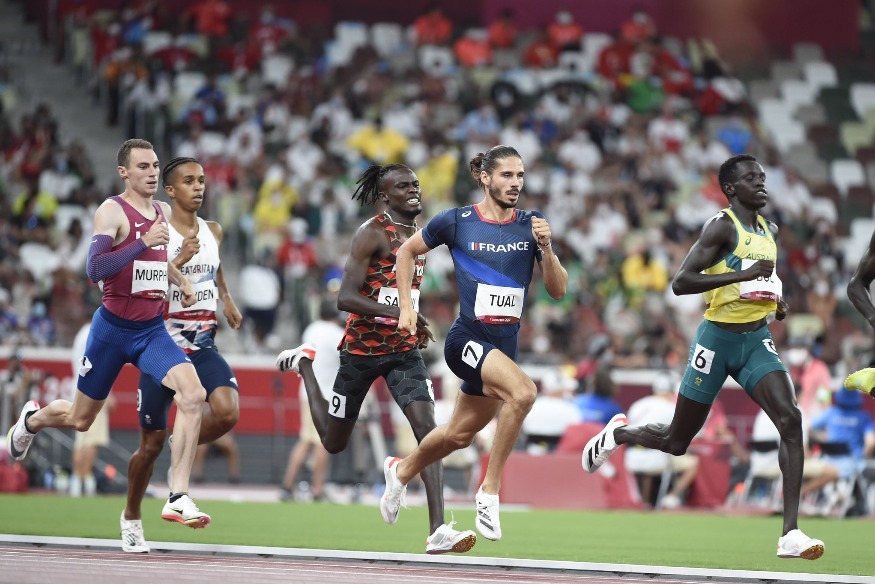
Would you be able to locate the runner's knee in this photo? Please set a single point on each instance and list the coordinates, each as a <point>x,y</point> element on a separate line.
<point>191,399</point>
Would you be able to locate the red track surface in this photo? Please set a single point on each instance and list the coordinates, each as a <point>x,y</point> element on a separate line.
<point>70,566</point>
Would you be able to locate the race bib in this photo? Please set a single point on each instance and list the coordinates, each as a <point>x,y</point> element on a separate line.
<point>498,304</point>
<point>389,297</point>
<point>206,298</point>
<point>770,288</point>
<point>149,279</point>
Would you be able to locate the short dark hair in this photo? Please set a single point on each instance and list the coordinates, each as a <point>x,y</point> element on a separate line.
<point>370,183</point>
<point>488,161</point>
<point>171,167</point>
<point>727,169</point>
<point>124,153</point>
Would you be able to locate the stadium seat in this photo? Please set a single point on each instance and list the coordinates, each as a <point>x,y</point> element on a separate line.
<point>236,102</point>
<point>574,62</point>
<point>155,40</point>
<point>804,53</point>
<point>862,97</point>
<point>39,260</point>
<point>592,44</point>
<point>784,133</point>
<point>186,84</point>
<point>823,208</point>
<point>821,74</point>
<point>798,92</point>
<point>762,486</point>
<point>845,173</point>
<point>810,113</point>
<point>351,34</point>
<point>760,89</point>
<point>65,214</point>
<point>213,143</point>
<point>854,135</point>
<point>436,60</point>
<point>387,38</point>
<point>785,70</point>
<point>836,103</point>
<point>275,69</point>
<point>859,203</point>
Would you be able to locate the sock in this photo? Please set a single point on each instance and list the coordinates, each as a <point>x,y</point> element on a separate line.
<point>174,497</point>
<point>27,417</point>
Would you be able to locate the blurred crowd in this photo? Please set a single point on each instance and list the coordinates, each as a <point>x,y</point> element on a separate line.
<point>621,136</point>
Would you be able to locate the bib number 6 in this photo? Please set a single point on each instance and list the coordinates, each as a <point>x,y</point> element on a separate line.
<point>702,359</point>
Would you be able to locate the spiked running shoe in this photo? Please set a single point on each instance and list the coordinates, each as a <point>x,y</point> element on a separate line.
<point>289,359</point>
<point>602,445</point>
<point>18,439</point>
<point>798,545</point>
<point>184,511</point>
<point>446,539</point>
<point>393,496</point>
<point>487,522</point>
<point>133,540</point>
<point>862,380</point>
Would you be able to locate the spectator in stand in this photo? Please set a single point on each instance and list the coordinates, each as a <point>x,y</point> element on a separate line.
<point>503,32</point>
<point>175,56</point>
<point>33,214</point>
<point>735,135</point>
<point>640,28</point>
<point>542,52</point>
<point>296,257</point>
<point>564,32</point>
<point>433,27</point>
<point>847,423</point>
<point>642,274</point>
<point>260,294</point>
<point>810,375</point>
<point>472,49</point>
<point>211,17</point>
<point>378,144</point>
<point>208,105</point>
<point>668,132</point>
<point>552,412</point>
<point>598,403</point>
<point>614,61</point>
<point>269,32</point>
<point>126,68</point>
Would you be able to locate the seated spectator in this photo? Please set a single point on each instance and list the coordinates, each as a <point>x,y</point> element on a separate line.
<point>211,17</point>
<point>649,465</point>
<point>473,50</point>
<point>810,374</point>
<point>542,52</point>
<point>504,31</point>
<point>735,135</point>
<point>433,27</point>
<point>564,32</point>
<point>845,422</point>
<point>597,404</point>
<point>552,412</point>
<point>640,28</point>
<point>378,144</point>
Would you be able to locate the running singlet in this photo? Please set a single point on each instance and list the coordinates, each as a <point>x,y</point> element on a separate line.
<point>137,291</point>
<point>494,263</point>
<point>368,335</point>
<point>194,327</point>
<point>745,301</point>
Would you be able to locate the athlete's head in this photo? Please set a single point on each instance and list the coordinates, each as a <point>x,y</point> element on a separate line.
<point>742,178</point>
<point>184,182</point>
<point>500,173</point>
<point>395,185</point>
<point>138,167</point>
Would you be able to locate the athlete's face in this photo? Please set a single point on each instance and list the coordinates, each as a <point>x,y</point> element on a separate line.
<point>186,187</point>
<point>401,192</point>
<point>505,183</point>
<point>749,186</point>
<point>142,171</point>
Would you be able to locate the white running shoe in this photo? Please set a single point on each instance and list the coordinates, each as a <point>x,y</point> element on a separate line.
<point>393,497</point>
<point>602,445</point>
<point>487,515</point>
<point>184,511</point>
<point>133,540</point>
<point>289,359</point>
<point>446,539</point>
<point>18,439</point>
<point>798,545</point>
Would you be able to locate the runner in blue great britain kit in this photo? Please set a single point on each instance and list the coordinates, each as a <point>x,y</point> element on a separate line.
<point>494,247</point>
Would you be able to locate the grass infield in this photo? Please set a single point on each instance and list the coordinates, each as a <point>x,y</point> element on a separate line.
<point>696,540</point>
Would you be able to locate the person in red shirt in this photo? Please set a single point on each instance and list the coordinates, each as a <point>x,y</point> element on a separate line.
<point>639,29</point>
<point>565,32</point>
<point>503,32</point>
<point>433,27</point>
<point>211,17</point>
<point>473,49</point>
<point>542,53</point>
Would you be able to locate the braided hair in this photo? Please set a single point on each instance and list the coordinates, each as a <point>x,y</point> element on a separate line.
<point>171,167</point>
<point>370,183</point>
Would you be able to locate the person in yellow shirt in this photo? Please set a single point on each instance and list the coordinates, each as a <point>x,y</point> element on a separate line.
<point>378,144</point>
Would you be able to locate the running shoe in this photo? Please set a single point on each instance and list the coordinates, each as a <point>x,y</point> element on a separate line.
<point>393,496</point>
<point>184,511</point>
<point>18,439</point>
<point>798,545</point>
<point>862,380</point>
<point>133,540</point>
<point>602,445</point>
<point>446,539</point>
<point>289,359</point>
<point>487,515</point>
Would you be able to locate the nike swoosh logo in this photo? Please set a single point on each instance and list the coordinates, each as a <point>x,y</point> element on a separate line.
<point>139,224</point>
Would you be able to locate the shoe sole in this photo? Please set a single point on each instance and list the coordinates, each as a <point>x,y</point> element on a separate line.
<point>9,448</point>
<point>135,550</point>
<point>460,547</point>
<point>812,553</point>
<point>196,523</point>
<point>597,438</point>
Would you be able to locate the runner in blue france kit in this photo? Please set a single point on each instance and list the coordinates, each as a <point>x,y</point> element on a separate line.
<point>494,247</point>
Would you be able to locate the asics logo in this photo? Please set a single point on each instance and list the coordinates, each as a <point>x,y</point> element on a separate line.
<point>466,213</point>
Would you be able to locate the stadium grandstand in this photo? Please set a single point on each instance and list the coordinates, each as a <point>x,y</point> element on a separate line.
<point>623,114</point>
